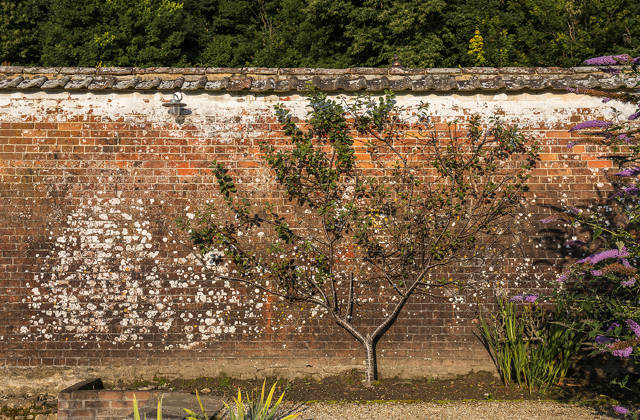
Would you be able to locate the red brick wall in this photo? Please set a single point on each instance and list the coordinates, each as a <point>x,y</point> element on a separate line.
<point>93,271</point>
<point>88,400</point>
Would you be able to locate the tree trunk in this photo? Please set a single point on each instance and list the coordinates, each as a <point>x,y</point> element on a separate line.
<point>372,363</point>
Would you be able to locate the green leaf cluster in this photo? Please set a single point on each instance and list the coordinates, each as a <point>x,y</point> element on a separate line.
<point>253,409</point>
<point>315,33</point>
<point>528,346</point>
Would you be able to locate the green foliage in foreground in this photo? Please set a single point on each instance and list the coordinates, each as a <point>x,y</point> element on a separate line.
<point>136,410</point>
<point>527,347</point>
<point>315,33</point>
<point>253,409</point>
<point>247,409</point>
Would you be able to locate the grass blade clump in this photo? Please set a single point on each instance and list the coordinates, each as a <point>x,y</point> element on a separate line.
<point>526,345</point>
<point>252,409</point>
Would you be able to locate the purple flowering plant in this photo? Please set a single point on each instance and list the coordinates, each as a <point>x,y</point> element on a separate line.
<point>608,60</point>
<point>599,290</point>
<point>618,409</point>
<point>591,124</point>
<point>526,298</point>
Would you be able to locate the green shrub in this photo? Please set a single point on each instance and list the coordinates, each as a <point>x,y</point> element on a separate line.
<point>528,347</point>
<point>252,409</point>
<point>247,409</point>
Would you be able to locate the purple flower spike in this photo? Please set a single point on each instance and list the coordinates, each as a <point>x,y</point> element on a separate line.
<point>571,144</point>
<point>625,263</point>
<point>591,124</point>
<point>601,339</point>
<point>605,255</point>
<point>634,327</point>
<point>628,283</point>
<point>636,60</point>
<point>625,352</point>
<point>631,190</point>
<point>608,60</point>
<point>531,298</point>
<point>634,116</point>
<point>605,100</point>
<point>613,326</point>
<point>547,220</point>
<point>596,273</point>
<point>562,278</point>
<point>517,298</point>
<point>620,409</point>
<point>628,172</point>
<point>575,210</point>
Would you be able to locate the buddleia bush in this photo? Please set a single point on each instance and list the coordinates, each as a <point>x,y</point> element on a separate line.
<point>601,289</point>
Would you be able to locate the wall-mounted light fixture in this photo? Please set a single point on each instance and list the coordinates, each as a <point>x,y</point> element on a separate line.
<point>176,107</point>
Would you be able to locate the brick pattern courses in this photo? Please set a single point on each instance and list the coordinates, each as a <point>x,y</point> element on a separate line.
<point>94,272</point>
<point>90,404</point>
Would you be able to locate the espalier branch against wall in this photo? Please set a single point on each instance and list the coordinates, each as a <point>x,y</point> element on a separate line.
<point>427,201</point>
<point>95,172</point>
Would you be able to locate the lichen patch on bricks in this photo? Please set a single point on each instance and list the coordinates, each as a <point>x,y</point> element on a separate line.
<point>94,175</point>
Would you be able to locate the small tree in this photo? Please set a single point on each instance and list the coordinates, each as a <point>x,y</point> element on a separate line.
<point>356,230</point>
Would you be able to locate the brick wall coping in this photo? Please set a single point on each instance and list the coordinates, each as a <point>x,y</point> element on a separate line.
<point>89,384</point>
<point>268,80</point>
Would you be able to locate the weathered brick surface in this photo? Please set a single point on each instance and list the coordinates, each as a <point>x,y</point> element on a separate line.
<point>93,271</point>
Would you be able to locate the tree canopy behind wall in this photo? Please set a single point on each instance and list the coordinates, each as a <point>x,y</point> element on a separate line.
<point>315,33</point>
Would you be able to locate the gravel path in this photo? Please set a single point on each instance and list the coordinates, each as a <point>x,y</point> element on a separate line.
<point>498,410</point>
